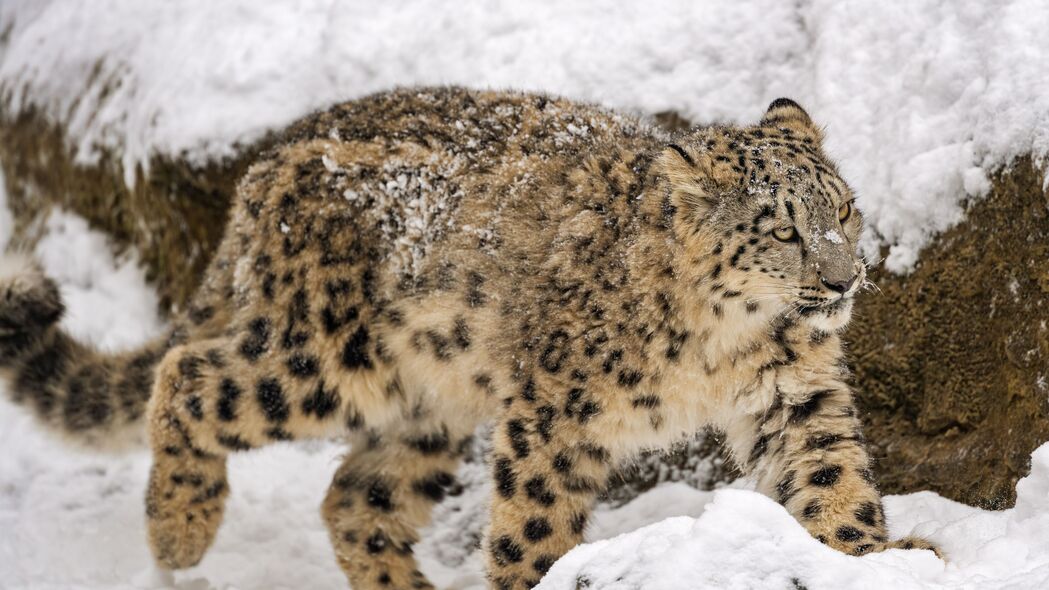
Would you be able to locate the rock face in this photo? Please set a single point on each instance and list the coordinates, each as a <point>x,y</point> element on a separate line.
<point>174,215</point>
<point>951,361</point>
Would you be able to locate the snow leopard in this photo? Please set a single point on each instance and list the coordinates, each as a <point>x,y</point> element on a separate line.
<point>402,268</point>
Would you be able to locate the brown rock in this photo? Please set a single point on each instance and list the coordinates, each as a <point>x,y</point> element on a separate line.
<point>174,215</point>
<point>952,360</point>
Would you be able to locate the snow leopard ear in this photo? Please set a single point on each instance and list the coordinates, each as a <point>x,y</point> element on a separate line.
<point>692,179</point>
<point>784,112</point>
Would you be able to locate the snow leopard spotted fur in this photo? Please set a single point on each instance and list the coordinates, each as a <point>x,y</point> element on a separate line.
<point>404,267</point>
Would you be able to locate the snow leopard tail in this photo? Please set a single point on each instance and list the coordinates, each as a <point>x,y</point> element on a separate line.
<point>88,396</point>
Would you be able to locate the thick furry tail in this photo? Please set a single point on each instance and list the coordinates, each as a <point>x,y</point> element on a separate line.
<point>93,398</point>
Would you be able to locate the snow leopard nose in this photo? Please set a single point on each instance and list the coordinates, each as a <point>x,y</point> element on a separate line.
<point>839,286</point>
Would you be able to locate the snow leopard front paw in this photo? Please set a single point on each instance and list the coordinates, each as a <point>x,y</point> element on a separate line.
<point>904,543</point>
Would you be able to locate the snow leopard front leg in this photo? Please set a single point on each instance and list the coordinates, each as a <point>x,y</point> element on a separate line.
<point>808,452</point>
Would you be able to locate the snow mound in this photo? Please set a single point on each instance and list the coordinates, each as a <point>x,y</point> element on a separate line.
<point>921,99</point>
<point>743,540</point>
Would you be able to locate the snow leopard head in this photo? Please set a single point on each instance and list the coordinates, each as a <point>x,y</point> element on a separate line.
<point>767,216</point>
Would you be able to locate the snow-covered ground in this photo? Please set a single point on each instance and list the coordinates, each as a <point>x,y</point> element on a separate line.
<point>743,540</point>
<point>72,520</point>
<point>920,98</point>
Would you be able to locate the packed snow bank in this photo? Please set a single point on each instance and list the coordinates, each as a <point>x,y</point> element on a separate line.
<point>920,99</point>
<point>743,540</point>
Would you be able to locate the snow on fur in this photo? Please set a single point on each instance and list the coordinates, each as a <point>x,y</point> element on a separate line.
<point>920,99</point>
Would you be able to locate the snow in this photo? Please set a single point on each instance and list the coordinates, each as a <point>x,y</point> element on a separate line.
<point>921,100</point>
<point>833,237</point>
<point>108,302</point>
<point>412,207</point>
<point>742,540</point>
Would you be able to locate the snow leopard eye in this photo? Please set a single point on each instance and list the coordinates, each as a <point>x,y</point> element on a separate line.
<point>785,234</point>
<point>845,212</point>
